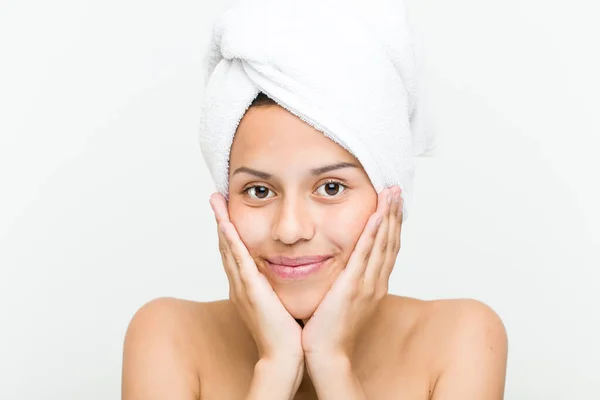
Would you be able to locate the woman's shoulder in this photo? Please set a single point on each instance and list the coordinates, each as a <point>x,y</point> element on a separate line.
<point>444,313</point>
<point>445,322</point>
<point>459,337</point>
<point>185,321</point>
<point>178,316</point>
<point>162,344</point>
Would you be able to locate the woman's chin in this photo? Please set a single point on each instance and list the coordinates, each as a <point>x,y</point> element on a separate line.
<point>302,313</point>
<point>301,305</point>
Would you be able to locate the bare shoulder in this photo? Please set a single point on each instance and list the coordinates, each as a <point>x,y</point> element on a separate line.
<point>160,350</point>
<point>470,344</point>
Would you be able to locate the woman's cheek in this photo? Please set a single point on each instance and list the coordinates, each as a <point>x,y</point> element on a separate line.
<point>252,228</point>
<point>344,227</point>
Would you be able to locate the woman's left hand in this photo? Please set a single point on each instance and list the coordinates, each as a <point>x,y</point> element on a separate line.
<point>354,296</point>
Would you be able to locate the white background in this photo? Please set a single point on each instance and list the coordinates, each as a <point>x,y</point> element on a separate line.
<point>104,193</point>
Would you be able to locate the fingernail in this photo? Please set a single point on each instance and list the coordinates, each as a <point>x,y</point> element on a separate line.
<point>378,221</point>
<point>397,197</point>
<point>389,199</point>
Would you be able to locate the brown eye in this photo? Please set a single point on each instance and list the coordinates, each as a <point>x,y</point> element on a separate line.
<point>332,188</point>
<point>259,191</point>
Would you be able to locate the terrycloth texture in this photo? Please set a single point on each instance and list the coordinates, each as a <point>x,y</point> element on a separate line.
<point>346,67</point>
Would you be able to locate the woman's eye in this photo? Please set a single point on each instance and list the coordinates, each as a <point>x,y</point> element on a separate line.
<point>260,192</point>
<point>332,188</point>
<point>328,189</point>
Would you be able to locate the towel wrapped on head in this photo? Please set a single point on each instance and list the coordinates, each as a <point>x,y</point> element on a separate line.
<point>346,67</point>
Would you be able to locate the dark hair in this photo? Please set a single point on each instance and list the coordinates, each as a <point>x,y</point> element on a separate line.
<point>262,100</point>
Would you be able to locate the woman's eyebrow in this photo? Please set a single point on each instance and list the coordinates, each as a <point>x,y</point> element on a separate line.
<point>314,171</point>
<point>327,168</point>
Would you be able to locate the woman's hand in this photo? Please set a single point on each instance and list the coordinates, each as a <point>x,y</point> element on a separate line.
<point>276,333</point>
<point>331,333</point>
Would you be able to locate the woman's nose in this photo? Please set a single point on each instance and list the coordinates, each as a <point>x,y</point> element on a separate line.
<point>293,222</point>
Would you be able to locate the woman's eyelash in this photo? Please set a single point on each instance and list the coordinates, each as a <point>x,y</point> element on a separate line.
<point>245,191</point>
<point>344,187</point>
<point>334,181</point>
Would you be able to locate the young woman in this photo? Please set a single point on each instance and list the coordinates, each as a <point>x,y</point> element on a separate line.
<point>308,246</point>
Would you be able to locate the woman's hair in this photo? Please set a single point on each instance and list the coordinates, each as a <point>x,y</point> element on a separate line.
<point>262,100</point>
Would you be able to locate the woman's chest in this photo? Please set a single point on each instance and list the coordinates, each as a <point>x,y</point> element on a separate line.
<point>231,381</point>
<point>388,366</point>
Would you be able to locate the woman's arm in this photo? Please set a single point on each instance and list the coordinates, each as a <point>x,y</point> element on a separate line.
<point>158,363</point>
<point>472,348</point>
<point>276,380</point>
<point>333,378</point>
<point>156,358</point>
<point>475,354</point>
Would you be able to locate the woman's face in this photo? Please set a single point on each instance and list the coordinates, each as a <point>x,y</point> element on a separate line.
<point>282,205</point>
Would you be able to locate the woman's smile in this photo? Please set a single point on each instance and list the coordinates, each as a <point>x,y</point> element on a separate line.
<point>299,202</point>
<point>297,268</point>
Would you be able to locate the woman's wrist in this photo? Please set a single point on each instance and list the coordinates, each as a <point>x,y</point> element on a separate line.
<point>328,362</point>
<point>333,377</point>
<point>276,378</point>
<point>283,364</point>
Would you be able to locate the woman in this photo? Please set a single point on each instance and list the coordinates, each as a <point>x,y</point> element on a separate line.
<point>310,122</point>
<point>308,246</point>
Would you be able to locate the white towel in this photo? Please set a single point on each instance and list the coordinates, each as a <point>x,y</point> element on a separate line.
<point>346,67</point>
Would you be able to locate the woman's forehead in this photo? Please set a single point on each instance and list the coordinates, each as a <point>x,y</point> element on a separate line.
<point>272,131</point>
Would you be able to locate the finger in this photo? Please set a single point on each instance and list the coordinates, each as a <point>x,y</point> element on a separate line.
<point>218,204</point>
<point>227,259</point>
<point>381,245</point>
<point>394,241</point>
<point>246,266</point>
<point>229,264</point>
<point>364,246</point>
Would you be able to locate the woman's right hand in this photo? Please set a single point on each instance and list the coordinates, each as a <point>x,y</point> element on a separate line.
<point>277,335</point>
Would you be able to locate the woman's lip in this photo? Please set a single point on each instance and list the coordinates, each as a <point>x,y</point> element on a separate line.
<point>297,261</point>
<point>296,272</point>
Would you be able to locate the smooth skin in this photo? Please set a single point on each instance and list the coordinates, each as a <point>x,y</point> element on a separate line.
<point>358,341</point>
<point>329,337</point>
